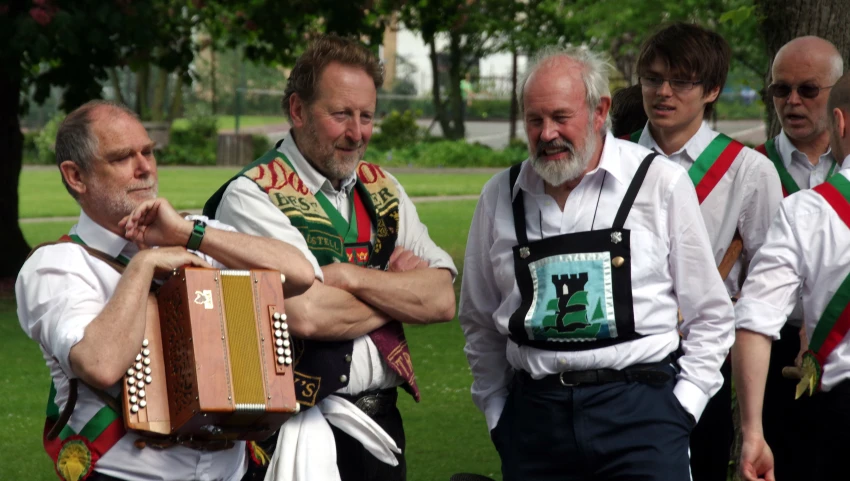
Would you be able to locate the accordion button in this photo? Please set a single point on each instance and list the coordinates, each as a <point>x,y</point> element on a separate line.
<point>134,408</point>
<point>138,366</point>
<point>280,351</point>
<point>138,357</point>
<point>148,370</point>
<point>141,384</point>
<point>134,399</point>
<point>131,372</point>
<point>132,390</point>
<point>285,334</point>
<point>285,343</point>
<point>288,360</point>
<point>278,333</point>
<point>143,403</point>
<point>131,381</point>
<point>343,378</point>
<point>276,316</point>
<point>139,375</point>
<point>146,352</point>
<point>148,379</point>
<point>145,343</point>
<point>277,324</point>
<point>279,342</point>
<point>348,358</point>
<point>142,393</point>
<point>281,360</point>
<point>284,326</point>
<point>287,352</point>
<point>147,361</point>
<point>283,317</point>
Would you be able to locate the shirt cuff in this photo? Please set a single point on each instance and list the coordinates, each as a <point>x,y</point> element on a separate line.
<point>760,317</point>
<point>692,398</point>
<point>493,411</point>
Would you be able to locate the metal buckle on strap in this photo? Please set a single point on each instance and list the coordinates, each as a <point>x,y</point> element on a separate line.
<point>561,377</point>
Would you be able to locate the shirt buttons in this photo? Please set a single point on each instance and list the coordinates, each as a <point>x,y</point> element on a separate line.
<point>348,358</point>
<point>343,378</point>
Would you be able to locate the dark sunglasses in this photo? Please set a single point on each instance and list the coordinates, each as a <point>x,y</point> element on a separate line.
<point>806,91</point>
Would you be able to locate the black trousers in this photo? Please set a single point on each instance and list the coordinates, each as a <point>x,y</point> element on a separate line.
<point>711,441</point>
<point>832,431</point>
<point>616,431</point>
<point>786,421</point>
<point>357,464</point>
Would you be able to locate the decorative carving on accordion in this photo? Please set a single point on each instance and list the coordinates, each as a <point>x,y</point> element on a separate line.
<point>219,373</point>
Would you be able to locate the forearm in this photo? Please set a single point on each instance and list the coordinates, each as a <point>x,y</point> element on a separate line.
<point>750,360</point>
<point>421,296</point>
<point>326,313</point>
<point>243,251</point>
<point>113,338</point>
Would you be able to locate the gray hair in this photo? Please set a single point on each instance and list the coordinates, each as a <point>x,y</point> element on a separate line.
<point>594,73</point>
<point>75,140</point>
<point>837,66</point>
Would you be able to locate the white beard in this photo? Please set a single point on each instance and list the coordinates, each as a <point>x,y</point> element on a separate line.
<point>556,172</point>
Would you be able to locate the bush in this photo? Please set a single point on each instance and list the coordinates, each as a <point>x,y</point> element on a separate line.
<point>397,130</point>
<point>194,145</point>
<point>262,144</point>
<point>43,143</point>
<point>448,153</point>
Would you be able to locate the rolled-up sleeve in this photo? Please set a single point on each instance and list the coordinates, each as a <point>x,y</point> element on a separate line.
<point>479,298</point>
<point>247,208</point>
<point>772,286</point>
<point>708,326</point>
<point>58,296</point>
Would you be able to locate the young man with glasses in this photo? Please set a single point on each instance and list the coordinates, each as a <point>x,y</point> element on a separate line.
<point>804,71</point>
<point>682,71</point>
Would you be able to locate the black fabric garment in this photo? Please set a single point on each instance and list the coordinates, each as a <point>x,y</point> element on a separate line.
<point>711,441</point>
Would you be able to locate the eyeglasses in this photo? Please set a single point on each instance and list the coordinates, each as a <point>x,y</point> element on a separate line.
<point>807,91</point>
<point>675,84</point>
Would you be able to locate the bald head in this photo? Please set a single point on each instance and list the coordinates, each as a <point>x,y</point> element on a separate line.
<point>817,55</point>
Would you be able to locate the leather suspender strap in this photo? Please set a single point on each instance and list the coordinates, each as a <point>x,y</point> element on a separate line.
<point>518,206</point>
<point>632,192</point>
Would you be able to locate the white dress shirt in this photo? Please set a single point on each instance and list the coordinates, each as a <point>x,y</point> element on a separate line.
<point>745,199</point>
<point>672,266</point>
<point>806,176</point>
<point>248,208</point>
<point>806,248</point>
<point>60,290</point>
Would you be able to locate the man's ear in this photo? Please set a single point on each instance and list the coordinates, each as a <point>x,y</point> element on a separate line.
<point>297,110</point>
<point>601,113</point>
<point>73,176</point>
<point>839,119</point>
<point>712,95</point>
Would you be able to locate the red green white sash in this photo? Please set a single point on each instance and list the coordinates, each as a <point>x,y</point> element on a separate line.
<point>711,165</point>
<point>834,323</point>
<point>789,186</point>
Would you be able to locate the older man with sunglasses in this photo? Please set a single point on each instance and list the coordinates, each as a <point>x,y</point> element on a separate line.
<point>804,71</point>
<point>682,71</point>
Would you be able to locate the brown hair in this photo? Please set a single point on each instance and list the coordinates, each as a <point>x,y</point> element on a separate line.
<point>304,78</point>
<point>690,52</point>
<point>839,96</point>
<point>627,113</point>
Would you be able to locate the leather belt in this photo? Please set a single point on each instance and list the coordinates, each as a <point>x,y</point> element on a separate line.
<point>373,403</point>
<point>652,373</point>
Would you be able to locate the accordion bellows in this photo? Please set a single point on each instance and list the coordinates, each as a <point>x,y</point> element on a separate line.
<point>217,358</point>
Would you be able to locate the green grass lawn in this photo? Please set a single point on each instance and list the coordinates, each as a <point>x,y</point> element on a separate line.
<point>228,122</point>
<point>43,195</point>
<point>446,434</point>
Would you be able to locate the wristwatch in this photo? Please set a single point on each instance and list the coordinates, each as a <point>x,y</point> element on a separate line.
<point>196,236</point>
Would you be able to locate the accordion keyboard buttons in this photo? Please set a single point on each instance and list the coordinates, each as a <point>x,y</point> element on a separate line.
<point>343,378</point>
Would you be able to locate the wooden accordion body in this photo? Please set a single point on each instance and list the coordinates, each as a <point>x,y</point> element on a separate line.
<point>217,358</point>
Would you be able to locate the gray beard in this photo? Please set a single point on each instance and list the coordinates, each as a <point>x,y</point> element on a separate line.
<point>555,173</point>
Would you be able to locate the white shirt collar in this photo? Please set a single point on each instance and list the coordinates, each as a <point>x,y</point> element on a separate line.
<point>692,148</point>
<point>98,237</point>
<point>609,161</point>
<point>312,178</point>
<point>789,153</point>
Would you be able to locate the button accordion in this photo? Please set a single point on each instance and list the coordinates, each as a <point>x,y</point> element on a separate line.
<point>216,362</point>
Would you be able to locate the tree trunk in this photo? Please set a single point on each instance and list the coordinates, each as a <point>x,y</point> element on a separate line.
<point>12,243</point>
<point>159,94</point>
<point>455,98</point>
<point>142,83</point>
<point>212,78</point>
<point>116,85</point>
<point>176,109</point>
<point>784,21</point>
<point>514,103</point>
<point>439,107</point>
